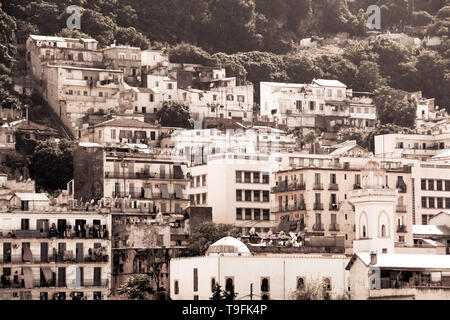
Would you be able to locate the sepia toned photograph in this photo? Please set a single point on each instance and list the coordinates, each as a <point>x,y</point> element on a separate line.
<point>224,153</point>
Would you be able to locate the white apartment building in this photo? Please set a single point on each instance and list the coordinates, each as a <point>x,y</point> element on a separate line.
<point>237,187</point>
<point>49,255</point>
<point>146,100</point>
<point>128,131</point>
<point>412,146</point>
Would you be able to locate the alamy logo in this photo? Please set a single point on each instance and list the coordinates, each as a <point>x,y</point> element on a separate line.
<point>374,19</point>
<point>74,21</point>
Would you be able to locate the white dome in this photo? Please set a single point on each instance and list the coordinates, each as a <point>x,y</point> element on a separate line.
<point>228,246</point>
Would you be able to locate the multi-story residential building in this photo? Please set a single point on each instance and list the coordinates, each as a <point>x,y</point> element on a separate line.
<point>151,182</point>
<point>326,104</point>
<point>243,197</point>
<point>123,130</point>
<point>54,255</point>
<point>146,100</point>
<point>43,50</point>
<point>74,92</point>
<point>316,197</point>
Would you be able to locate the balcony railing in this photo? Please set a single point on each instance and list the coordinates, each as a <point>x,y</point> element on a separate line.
<point>290,208</point>
<point>143,175</point>
<point>334,207</point>
<point>400,208</point>
<point>318,186</point>
<point>401,228</point>
<point>152,196</point>
<point>291,187</point>
<point>333,186</point>
<point>318,227</point>
<point>318,206</point>
<point>334,227</point>
<point>69,234</point>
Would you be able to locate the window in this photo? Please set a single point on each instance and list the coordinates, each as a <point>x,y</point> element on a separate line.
<point>401,238</point>
<point>238,214</point>
<point>122,56</point>
<point>229,284</point>
<point>447,185</point>
<point>256,196</point>
<point>25,224</point>
<point>100,94</point>
<point>266,196</point>
<point>241,98</point>
<point>364,234</point>
<point>265,287</point>
<point>431,202</point>
<point>230,97</point>
<point>439,185</point>
<point>204,180</point>
<point>239,176</point>
<point>247,177</point>
<point>176,287</point>
<point>204,198</point>
<point>213,284</point>
<point>440,203</point>
<point>169,86</point>
<point>238,195</point>
<point>134,57</point>
<point>265,179</point>
<point>424,219</point>
<point>152,97</point>
<point>256,177</point>
<point>248,214</point>
<point>327,284</point>
<point>113,133</point>
<point>383,231</point>
<point>266,214</point>
<point>447,203</point>
<point>248,195</point>
<point>430,184</point>
<point>195,279</point>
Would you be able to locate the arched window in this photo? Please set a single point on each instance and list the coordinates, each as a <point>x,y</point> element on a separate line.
<point>300,283</point>
<point>364,234</point>
<point>177,288</point>
<point>383,230</point>
<point>265,285</point>
<point>229,286</point>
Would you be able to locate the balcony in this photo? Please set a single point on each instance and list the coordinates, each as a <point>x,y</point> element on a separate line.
<point>333,186</point>
<point>401,229</point>
<point>143,176</point>
<point>59,258</point>
<point>334,207</point>
<point>318,206</point>
<point>290,208</point>
<point>53,233</point>
<point>400,209</point>
<point>318,227</point>
<point>318,186</point>
<point>138,194</point>
<point>334,227</point>
<point>55,284</point>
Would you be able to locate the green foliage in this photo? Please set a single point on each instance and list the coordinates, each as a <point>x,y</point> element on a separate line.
<point>385,129</point>
<point>137,287</point>
<point>98,26</point>
<point>52,164</point>
<point>174,114</point>
<point>206,234</point>
<point>187,53</point>
<point>130,36</point>
<point>75,33</point>
<point>368,77</point>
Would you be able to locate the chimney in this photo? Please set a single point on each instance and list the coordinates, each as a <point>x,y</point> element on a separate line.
<point>373,258</point>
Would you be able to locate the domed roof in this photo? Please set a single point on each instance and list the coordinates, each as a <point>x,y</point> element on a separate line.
<point>228,246</point>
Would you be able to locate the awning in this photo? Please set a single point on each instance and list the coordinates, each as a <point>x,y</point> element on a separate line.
<point>27,255</point>
<point>178,191</point>
<point>165,191</point>
<point>28,277</point>
<point>48,274</point>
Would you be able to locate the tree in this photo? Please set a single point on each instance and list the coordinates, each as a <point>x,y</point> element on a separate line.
<point>52,164</point>
<point>368,77</point>
<point>393,108</point>
<point>302,69</point>
<point>316,290</point>
<point>174,114</point>
<point>187,53</point>
<point>385,129</point>
<point>357,134</point>
<point>74,33</point>
<point>98,26</point>
<point>130,36</point>
<point>137,287</point>
<point>206,234</point>
<point>7,41</point>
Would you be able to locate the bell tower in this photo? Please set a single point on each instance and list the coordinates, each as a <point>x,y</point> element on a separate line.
<point>374,212</point>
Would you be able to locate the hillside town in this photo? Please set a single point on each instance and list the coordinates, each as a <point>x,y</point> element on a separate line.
<point>305,206</point>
